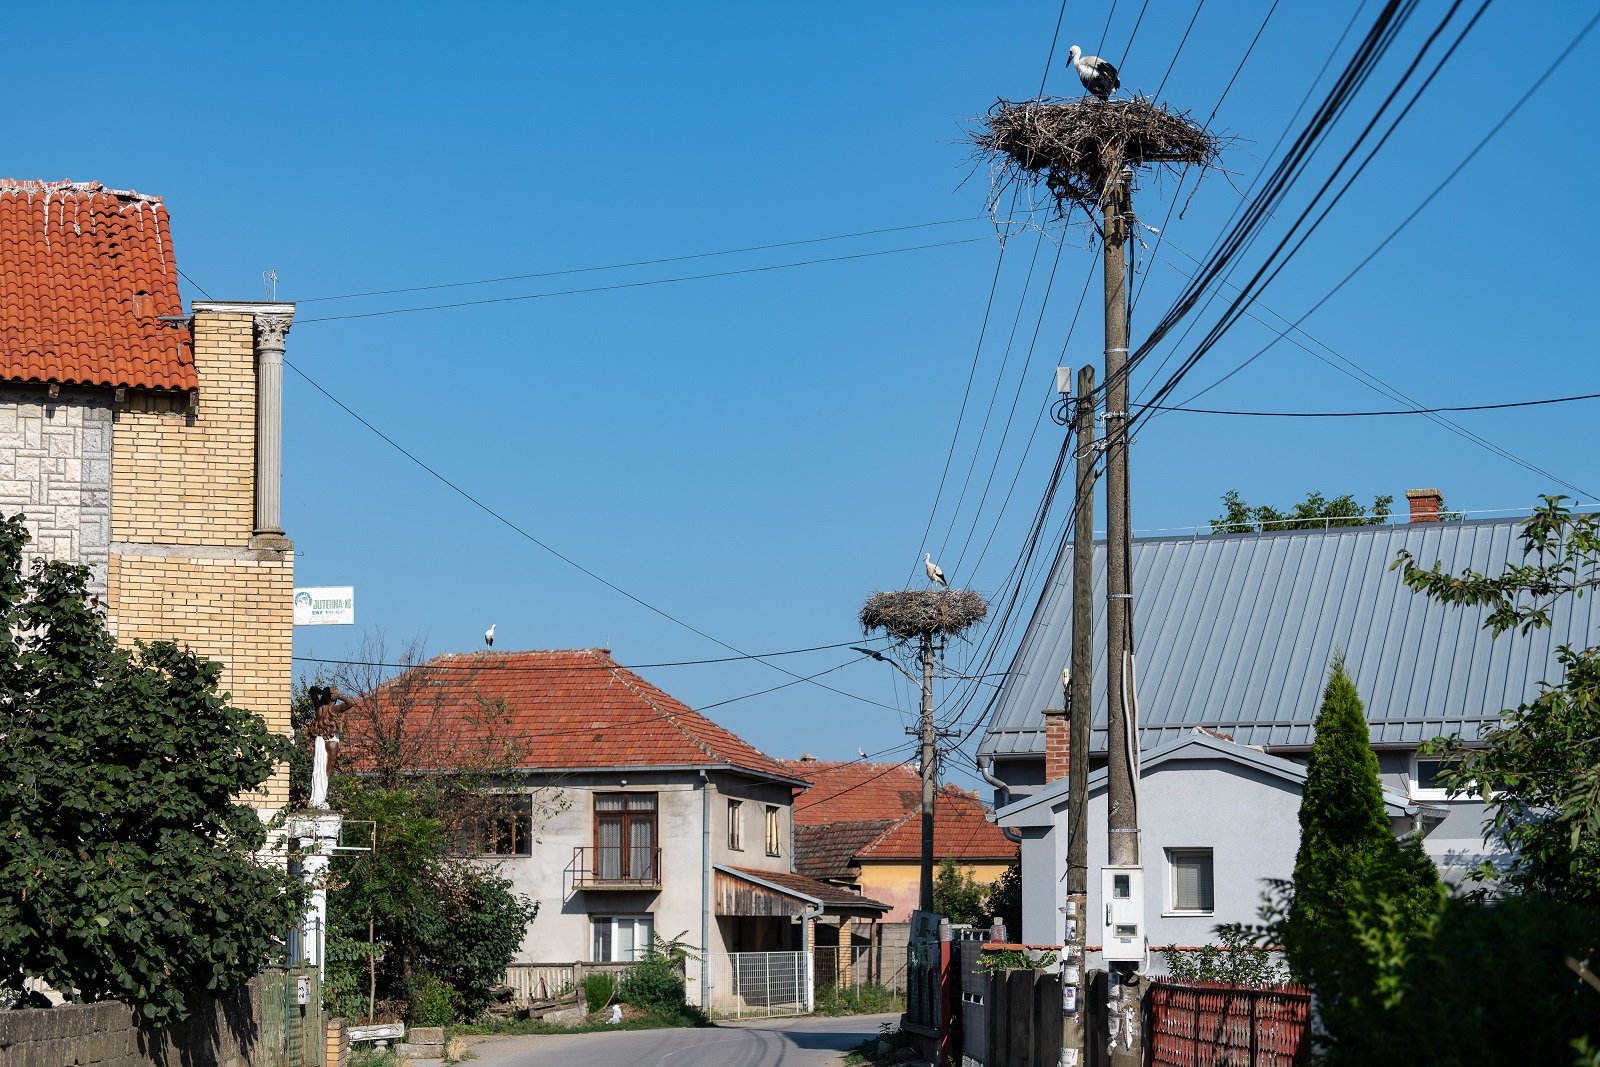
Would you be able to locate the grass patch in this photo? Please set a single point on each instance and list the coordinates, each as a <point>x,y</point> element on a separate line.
<point>858,1000</point>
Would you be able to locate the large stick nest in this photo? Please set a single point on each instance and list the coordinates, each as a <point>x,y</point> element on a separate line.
<point>907,613</point>
<point>1073,146</point>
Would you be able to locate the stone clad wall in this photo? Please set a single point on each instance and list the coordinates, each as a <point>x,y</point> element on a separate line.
<point>55,468</point>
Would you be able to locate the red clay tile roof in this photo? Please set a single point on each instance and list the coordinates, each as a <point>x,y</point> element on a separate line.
<point>84,273</point>
<point>854,791</point>
<point>848,796</point>
<point>961,830</point>
<point>799,883</point>
<point>557,710</point>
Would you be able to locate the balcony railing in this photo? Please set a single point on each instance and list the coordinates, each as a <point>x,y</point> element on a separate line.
<point>628,867</point>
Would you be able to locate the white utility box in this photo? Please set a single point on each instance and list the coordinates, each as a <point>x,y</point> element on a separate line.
<point>1122,890</point>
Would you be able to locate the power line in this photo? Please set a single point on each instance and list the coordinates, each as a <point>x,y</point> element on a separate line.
<point>568,560</point>
<point>516,668</point>
<point>1391,411</point>
<point>635,263</point>
<point>640,284</point>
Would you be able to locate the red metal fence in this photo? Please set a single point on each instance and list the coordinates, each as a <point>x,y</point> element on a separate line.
<point>1211,1024</point>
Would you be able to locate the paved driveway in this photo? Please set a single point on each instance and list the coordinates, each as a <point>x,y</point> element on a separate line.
<point>808,1042</point>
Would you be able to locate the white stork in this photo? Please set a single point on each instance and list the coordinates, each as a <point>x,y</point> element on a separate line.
<point>488,636</point>
<point>1098,76</point>
<point>935,574</point>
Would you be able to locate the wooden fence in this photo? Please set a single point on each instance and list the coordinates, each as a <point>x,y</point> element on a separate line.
<point>1212,1024</point>
<point>534,982</point>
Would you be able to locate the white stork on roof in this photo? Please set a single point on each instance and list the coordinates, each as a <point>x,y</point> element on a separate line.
<point>935,574</point>
<point>1098,76</point>
<point>488,636</point>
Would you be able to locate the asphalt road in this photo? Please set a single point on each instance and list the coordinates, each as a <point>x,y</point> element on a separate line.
<point>807,1042</point>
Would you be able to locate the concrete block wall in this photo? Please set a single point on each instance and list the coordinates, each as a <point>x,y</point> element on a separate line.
<point>220,1032</point>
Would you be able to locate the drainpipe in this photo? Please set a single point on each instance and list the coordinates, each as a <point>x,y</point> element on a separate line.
<point>1002,798</point>
<point>705,891</point>
<point>806,919</point>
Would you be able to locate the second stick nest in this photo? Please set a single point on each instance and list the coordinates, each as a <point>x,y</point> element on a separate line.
<point>1073,146</point>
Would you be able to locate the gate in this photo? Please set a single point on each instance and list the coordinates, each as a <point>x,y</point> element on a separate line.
<point>758,985</point>
<point>291,1018</point>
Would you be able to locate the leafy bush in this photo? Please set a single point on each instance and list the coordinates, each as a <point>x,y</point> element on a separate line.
<point>1012,959</point>
<point>1236,961</point>
<point>128,865</point>
<point>957,896</point>
<point>653,985</point>
<point>432,1001</point>
<point>599,989</point>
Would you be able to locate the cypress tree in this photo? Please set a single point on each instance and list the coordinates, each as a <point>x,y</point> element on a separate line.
<point>1349,869</point>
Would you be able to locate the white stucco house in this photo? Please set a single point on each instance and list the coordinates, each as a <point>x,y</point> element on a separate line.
<point>1234,635</point>
<point>625,814</point>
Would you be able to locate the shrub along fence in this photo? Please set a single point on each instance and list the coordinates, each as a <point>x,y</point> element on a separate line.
<point>1200,1024</point>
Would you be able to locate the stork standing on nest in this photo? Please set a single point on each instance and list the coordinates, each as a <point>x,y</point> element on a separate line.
<point>935,574</point>
<point>1098,76</point>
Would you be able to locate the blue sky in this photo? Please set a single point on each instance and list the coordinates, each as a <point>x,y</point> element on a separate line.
<point>755,453</point>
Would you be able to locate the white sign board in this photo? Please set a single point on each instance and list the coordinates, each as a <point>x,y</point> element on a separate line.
<point>325,605</point>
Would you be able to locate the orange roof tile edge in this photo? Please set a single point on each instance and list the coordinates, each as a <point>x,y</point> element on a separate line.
<point>89,288</point>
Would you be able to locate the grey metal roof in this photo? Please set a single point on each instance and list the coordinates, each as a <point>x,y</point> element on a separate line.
<point>1236,633</point>
<point>1190,745</point>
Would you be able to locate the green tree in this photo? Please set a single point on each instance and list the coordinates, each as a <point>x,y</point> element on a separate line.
<point>1349,866</point>
<point>1005,899</point>
<point>128,864</point>
<point>1315,512</point>
<point>957,895</point>
<point>1540,765</point>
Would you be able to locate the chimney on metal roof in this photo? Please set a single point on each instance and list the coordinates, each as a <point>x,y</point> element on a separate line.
<point>1426,504</point>
<point>1057,744</point>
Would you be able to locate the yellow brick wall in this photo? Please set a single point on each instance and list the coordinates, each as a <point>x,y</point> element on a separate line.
<point>234,611</point>
<point>190,480</point>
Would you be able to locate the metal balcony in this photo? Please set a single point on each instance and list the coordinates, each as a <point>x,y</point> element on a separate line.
<point>615,868</point>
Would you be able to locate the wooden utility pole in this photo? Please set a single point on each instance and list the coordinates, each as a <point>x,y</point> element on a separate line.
<point>1080,706</point>
<point>1122,847</point>
<point>930,772</point>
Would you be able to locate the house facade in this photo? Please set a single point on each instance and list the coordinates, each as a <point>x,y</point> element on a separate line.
<point>143,442</point>
<point>623,812</point>
<point>860,826</point>
<point>1234,635</point>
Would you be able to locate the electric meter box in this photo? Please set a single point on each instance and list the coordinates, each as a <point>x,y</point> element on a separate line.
<point>1122,890</point>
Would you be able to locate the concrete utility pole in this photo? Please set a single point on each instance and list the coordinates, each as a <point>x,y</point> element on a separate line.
<point>1080,706</point>
<point>930,772</point>
<point>1122,733</point>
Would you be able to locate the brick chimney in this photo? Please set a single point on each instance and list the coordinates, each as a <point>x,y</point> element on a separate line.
<point>1057,744</point>
<point>1426,504</point>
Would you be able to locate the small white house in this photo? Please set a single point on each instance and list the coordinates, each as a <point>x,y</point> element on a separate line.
<point>1233,636</point>
<point>1216,818</point>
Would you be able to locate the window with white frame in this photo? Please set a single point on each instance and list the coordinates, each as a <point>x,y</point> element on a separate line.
<point>1425,784</point>
<point>619,938</point>
<point>1192,885</point>
<point>736,825</point>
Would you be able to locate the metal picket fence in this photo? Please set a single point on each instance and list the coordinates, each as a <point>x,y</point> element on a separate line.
<point>757,985</point>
